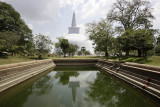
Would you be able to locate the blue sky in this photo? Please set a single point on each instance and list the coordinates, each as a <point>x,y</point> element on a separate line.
<point>53,17</point>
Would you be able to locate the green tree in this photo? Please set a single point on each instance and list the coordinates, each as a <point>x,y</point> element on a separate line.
<point>142,40</point>
<point>101,34</point>
<point>87,53</point>
<point>72,49</point>
<point>58,49</point>
<point>63,44</point>
<point>10,20</point>
<point>8,42</point>
<point>43,45</point>
<point>157,47</point>
<point>131,15</point>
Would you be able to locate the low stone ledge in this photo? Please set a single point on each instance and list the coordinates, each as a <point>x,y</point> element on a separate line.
<point>6,66</point>
<point>151,67</point>
<point>63,62</point>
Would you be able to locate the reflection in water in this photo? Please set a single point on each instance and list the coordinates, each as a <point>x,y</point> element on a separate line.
<point>106,91</point>
<point>43,85</point>
<point>82,87</point>
<point>64,76</point>
<point>40,87</point>
<point>74,85</point>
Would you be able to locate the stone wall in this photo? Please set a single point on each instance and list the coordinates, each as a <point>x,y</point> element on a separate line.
<point>84,62</point>
<point>12,74</point>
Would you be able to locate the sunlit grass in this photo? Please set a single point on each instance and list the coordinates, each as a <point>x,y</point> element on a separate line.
<point>150,60</point>
<point>9,60</point>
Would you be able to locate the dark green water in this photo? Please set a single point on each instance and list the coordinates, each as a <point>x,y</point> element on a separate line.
<point>74,87</point>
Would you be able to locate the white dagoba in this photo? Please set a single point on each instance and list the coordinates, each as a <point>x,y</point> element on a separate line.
<point>73,29</point>
<point>75,37</point>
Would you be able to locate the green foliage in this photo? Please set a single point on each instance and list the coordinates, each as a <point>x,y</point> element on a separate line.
<point>141,40</point>
<point>134,17</point>
<point>43,45</point>
<point>101,34</point>
<point>9,41</point>
<point>63,44</point>
<point>157,48</point>
<point>132,14</point>
<point>10,20</point>
<point>84,52</point>
<point>64,76</point>
<point>17,37</point>
<point>72,49</point>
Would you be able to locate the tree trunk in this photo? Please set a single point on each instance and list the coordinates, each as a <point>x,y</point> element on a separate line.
<point>12,53</point>
<point>139,52</point>
<point>69,54</point>
<point>127,52</point>
<point>106,55</point>
<point>145,53</point>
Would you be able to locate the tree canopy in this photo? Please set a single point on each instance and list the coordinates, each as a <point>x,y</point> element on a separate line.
<point>101,34</point>
<point>13,28</point>
<point>133,14</point>
<point>43,45</point>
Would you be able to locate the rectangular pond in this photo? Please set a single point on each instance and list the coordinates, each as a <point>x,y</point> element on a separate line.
<point>74,86</point>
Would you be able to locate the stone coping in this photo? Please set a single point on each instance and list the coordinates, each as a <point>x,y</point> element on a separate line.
<point>23,63</point>
<point>151,67</point>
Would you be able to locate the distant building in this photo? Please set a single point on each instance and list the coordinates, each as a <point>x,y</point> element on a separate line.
<point>73,29</point>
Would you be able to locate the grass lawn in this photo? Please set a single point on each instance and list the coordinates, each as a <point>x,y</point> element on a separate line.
<point>10,60</point>
<point>150,60</point>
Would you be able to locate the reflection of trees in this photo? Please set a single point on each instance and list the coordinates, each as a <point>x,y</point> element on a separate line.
<point>64,76</point>
<point>108,92</point>
<point>43,85</point>
<point>22,92</point>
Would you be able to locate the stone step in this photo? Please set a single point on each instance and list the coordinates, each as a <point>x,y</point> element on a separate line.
<point>14,75</point>
<point>15,72</point>
<point>140,76</point>
<point>144,81</point>
<point>141,71</point>
<point>149,90</point>
<point>10,70</point>
<point>19,79</point>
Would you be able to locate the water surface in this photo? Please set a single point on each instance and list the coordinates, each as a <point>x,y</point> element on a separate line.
<point>73,86</point>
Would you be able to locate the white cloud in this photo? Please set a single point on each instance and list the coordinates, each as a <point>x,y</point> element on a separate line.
<point>156,13</point>
<point>64,3</point>
<point>59,15</point>
<point>39,11</point>
<point>95,8</point>
<point>74,3</point>
<point>30,26</point>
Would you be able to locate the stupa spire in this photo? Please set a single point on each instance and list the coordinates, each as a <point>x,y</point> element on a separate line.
<point>73,28</point>
<point>74,20</point>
